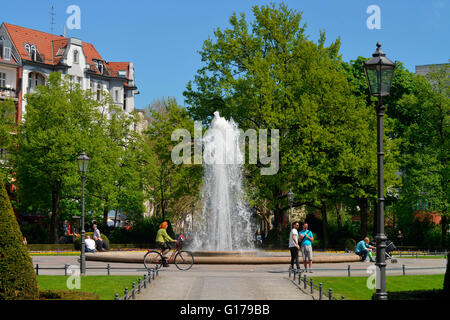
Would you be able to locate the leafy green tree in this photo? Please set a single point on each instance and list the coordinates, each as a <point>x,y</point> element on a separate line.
<point>8,130</point>
<point>267,74</point>
<point>166,182</point>
<point>425,150</point>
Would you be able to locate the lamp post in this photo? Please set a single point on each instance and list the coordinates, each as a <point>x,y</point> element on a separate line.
<point>83,166</point>
<point>379,74</point>
<point>291,200</point>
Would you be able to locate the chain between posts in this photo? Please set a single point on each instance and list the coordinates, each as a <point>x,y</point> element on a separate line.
<point>136,289</point>
<point>312,286</point>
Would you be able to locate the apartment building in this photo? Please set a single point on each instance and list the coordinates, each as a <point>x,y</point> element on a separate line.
<point>27,57</point>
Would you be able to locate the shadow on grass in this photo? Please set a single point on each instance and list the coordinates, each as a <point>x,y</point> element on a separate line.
<point>67,295</point>
<point>419,295</point>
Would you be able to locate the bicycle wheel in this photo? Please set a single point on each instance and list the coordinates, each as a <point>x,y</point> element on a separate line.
<point>184,260</point>
<point>153,260</point>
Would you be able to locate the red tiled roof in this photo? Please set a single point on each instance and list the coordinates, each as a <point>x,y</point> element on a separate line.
<point>115,67</point>
<point>48,45</point>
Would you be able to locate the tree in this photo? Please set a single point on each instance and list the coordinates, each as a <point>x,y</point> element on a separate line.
<point>426,146</point>
<point>17,277</point>
<point>59,123</point>
<point>167,183</point>
<point>8,129</point>
<point>267,74</point>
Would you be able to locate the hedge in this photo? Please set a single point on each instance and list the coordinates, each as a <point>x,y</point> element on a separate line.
<point>17,277</point>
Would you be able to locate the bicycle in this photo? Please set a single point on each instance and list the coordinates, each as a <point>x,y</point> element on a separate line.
<point>182,259</point>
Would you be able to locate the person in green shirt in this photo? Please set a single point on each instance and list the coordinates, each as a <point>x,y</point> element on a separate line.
<point>164,241</point>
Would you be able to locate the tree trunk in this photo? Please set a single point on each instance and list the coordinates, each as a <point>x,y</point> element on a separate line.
<point>444,230</point>
<point>105,216</point>
<point>447,278</point>
<point>339,208</point>
<point>54,221</point>
<point>363,207</point>
<point>375,220</point>
<point>323,210</point>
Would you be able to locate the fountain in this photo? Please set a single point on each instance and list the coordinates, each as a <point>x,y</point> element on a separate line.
<point>225,222</point>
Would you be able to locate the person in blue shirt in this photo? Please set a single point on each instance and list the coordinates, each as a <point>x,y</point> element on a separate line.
<point>363,249</point>
<point>306,239</point>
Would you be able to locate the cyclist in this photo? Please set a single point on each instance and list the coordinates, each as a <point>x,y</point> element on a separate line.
<point>164,241</point>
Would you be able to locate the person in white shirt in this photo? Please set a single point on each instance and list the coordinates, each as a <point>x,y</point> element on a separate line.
<point>293,245</point>
<point>90,244</point>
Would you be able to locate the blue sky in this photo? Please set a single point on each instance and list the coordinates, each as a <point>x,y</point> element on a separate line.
<point>162,38</point>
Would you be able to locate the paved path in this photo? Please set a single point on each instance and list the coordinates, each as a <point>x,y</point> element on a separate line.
<point>222,284</point>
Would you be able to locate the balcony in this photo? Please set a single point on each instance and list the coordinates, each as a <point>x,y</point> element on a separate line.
<point>8,93</point>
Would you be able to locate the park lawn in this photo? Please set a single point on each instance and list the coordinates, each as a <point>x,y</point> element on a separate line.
<point>104,286</point>
<point>355,288</point>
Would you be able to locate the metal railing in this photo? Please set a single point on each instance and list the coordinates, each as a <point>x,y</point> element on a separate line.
<point>131,294</point>
<point>107,268</point>
<point>323,294</point>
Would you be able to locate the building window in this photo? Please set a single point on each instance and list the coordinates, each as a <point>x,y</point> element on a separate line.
<point>2,80</point>
<point>122,73</point>
<point>35,79</point>
<point>7,53</point>
<point>99,92</point>
<point>75,56</point>
<point>116,96</point>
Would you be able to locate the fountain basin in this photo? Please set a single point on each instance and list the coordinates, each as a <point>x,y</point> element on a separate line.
<point>220,258</point>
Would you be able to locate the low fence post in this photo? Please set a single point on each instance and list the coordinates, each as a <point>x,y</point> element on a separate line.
<point>404,270</point>
<point>65,269</point>
<point>37,269</point>
<point>348,269</point>
<point>320,291</point>
<point>295,274</point>
<point>330,292</point>
<point>126,294</point>
<point>342,298</point>
<point>149,277</point>
<point>108,267</point>
<point>116,296</point>
<point>290,270</point>
<point>139,285</point>
<point>133,291</point>
<point>145,281</point>
<point>312,285</point>
<point>304,280</point>
<point>299,278</point>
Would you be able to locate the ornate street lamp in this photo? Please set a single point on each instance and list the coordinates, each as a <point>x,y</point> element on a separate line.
<point>83,166</point>
<point>291,200</point>
<point>379,73</point>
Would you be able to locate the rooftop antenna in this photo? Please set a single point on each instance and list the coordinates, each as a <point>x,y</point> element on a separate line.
<point>52,21</point>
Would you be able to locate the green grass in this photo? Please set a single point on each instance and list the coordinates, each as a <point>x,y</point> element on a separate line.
<point>104,286</point>
<point>355,288</point>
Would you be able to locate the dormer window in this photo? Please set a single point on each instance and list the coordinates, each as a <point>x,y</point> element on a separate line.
<point>6,53</point>
<point>32,51</point>
<point>76,56</point>
<point>122,73</point>
<point>100,67</point>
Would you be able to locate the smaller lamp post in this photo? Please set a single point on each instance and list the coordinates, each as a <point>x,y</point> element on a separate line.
<point>379,73</point>
<point>83,166</point>
<point>291,200</point>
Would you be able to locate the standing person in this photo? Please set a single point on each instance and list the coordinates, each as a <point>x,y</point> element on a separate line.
<point>306,240</point>
<point>363,249</point>
<point>163,241</point>
<point>293,245</point>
